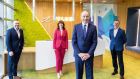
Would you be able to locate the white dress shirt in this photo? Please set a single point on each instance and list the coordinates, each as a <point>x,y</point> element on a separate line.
<point>115,32</point>
<point>86,26</point>
<point>17,30</point>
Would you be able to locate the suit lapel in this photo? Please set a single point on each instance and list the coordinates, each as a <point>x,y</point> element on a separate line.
<point>20,32</point>
<point>59,33</point>
<point>15,32</point>
<point>113,33</point>
<point>81,30</point>
<point>117,33</point>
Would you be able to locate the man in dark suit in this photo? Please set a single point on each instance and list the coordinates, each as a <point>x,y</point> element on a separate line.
<point>14,43</point>
<point>118,39</point>
<point>84,41</point>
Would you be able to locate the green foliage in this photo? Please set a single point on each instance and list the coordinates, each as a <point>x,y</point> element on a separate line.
<point>33,31</point>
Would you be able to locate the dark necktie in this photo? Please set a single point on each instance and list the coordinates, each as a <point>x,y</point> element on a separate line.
<point>85,31</point>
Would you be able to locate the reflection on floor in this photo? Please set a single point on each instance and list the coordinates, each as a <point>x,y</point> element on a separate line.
<point>132,70</point>
<point>134,48</point>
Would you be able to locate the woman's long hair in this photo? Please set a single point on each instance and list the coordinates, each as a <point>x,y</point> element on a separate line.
<point>62,22</point>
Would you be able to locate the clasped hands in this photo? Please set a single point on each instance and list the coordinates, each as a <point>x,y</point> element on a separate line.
<point>84,56</point>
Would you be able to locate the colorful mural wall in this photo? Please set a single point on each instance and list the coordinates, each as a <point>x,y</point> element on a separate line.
<point>104,15</point>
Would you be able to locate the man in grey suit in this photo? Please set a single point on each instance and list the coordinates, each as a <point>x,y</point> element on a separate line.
<point>84,41</point>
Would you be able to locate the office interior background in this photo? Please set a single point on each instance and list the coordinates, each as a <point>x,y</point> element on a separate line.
<point>38,19</point>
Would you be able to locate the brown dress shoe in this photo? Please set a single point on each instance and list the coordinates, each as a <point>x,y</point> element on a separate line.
<point>17,77</point>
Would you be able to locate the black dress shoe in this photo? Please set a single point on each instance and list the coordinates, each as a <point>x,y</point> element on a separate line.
<point>115,72</point>
<point>121,77</point>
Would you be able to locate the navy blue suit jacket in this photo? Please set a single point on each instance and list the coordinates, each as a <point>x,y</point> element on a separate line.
<point>87,45</point>
<point>117,42</point>
<point>13,42</point>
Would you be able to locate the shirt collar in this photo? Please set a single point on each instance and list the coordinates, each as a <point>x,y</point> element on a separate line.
<point>84,24</point>
<point>16,28</point>
<point>117,28</point>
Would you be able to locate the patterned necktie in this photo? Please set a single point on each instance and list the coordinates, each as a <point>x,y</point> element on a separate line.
<point>85,31</point>
<point>17,29</point>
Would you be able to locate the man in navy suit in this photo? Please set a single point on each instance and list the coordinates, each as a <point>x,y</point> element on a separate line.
<point>118,39</point>
<point>84,41</point>
<point>14,43</point>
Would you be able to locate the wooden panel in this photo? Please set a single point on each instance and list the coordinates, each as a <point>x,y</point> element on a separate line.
<point>45,9</point>
<point>26,62</point>
<point>87,1</point>
<point>104,1</point>
<point>58,0</point>
<point>122,10</point>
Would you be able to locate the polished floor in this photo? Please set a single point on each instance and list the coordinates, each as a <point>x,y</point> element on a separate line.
<point>132,70</point>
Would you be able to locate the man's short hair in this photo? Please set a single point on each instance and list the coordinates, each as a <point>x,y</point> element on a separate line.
<point>16,20</point>
<point>117,20</point>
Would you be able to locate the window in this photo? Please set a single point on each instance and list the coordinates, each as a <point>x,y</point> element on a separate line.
<point>1,26</point>
<point>6,17</point>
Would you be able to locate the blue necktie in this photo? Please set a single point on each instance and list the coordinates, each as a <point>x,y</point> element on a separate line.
<point>85,31</point>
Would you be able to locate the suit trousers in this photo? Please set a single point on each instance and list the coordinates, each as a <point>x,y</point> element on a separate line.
<point>59,53</point>
<point>118,54</point>
<point>12,64</point>
<point>79,64</point>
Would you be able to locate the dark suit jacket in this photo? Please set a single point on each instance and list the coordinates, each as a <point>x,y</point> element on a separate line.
<point>60,39</point>
<point>118,41</point>
<point>87,45</point>
<point>13,42</point>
